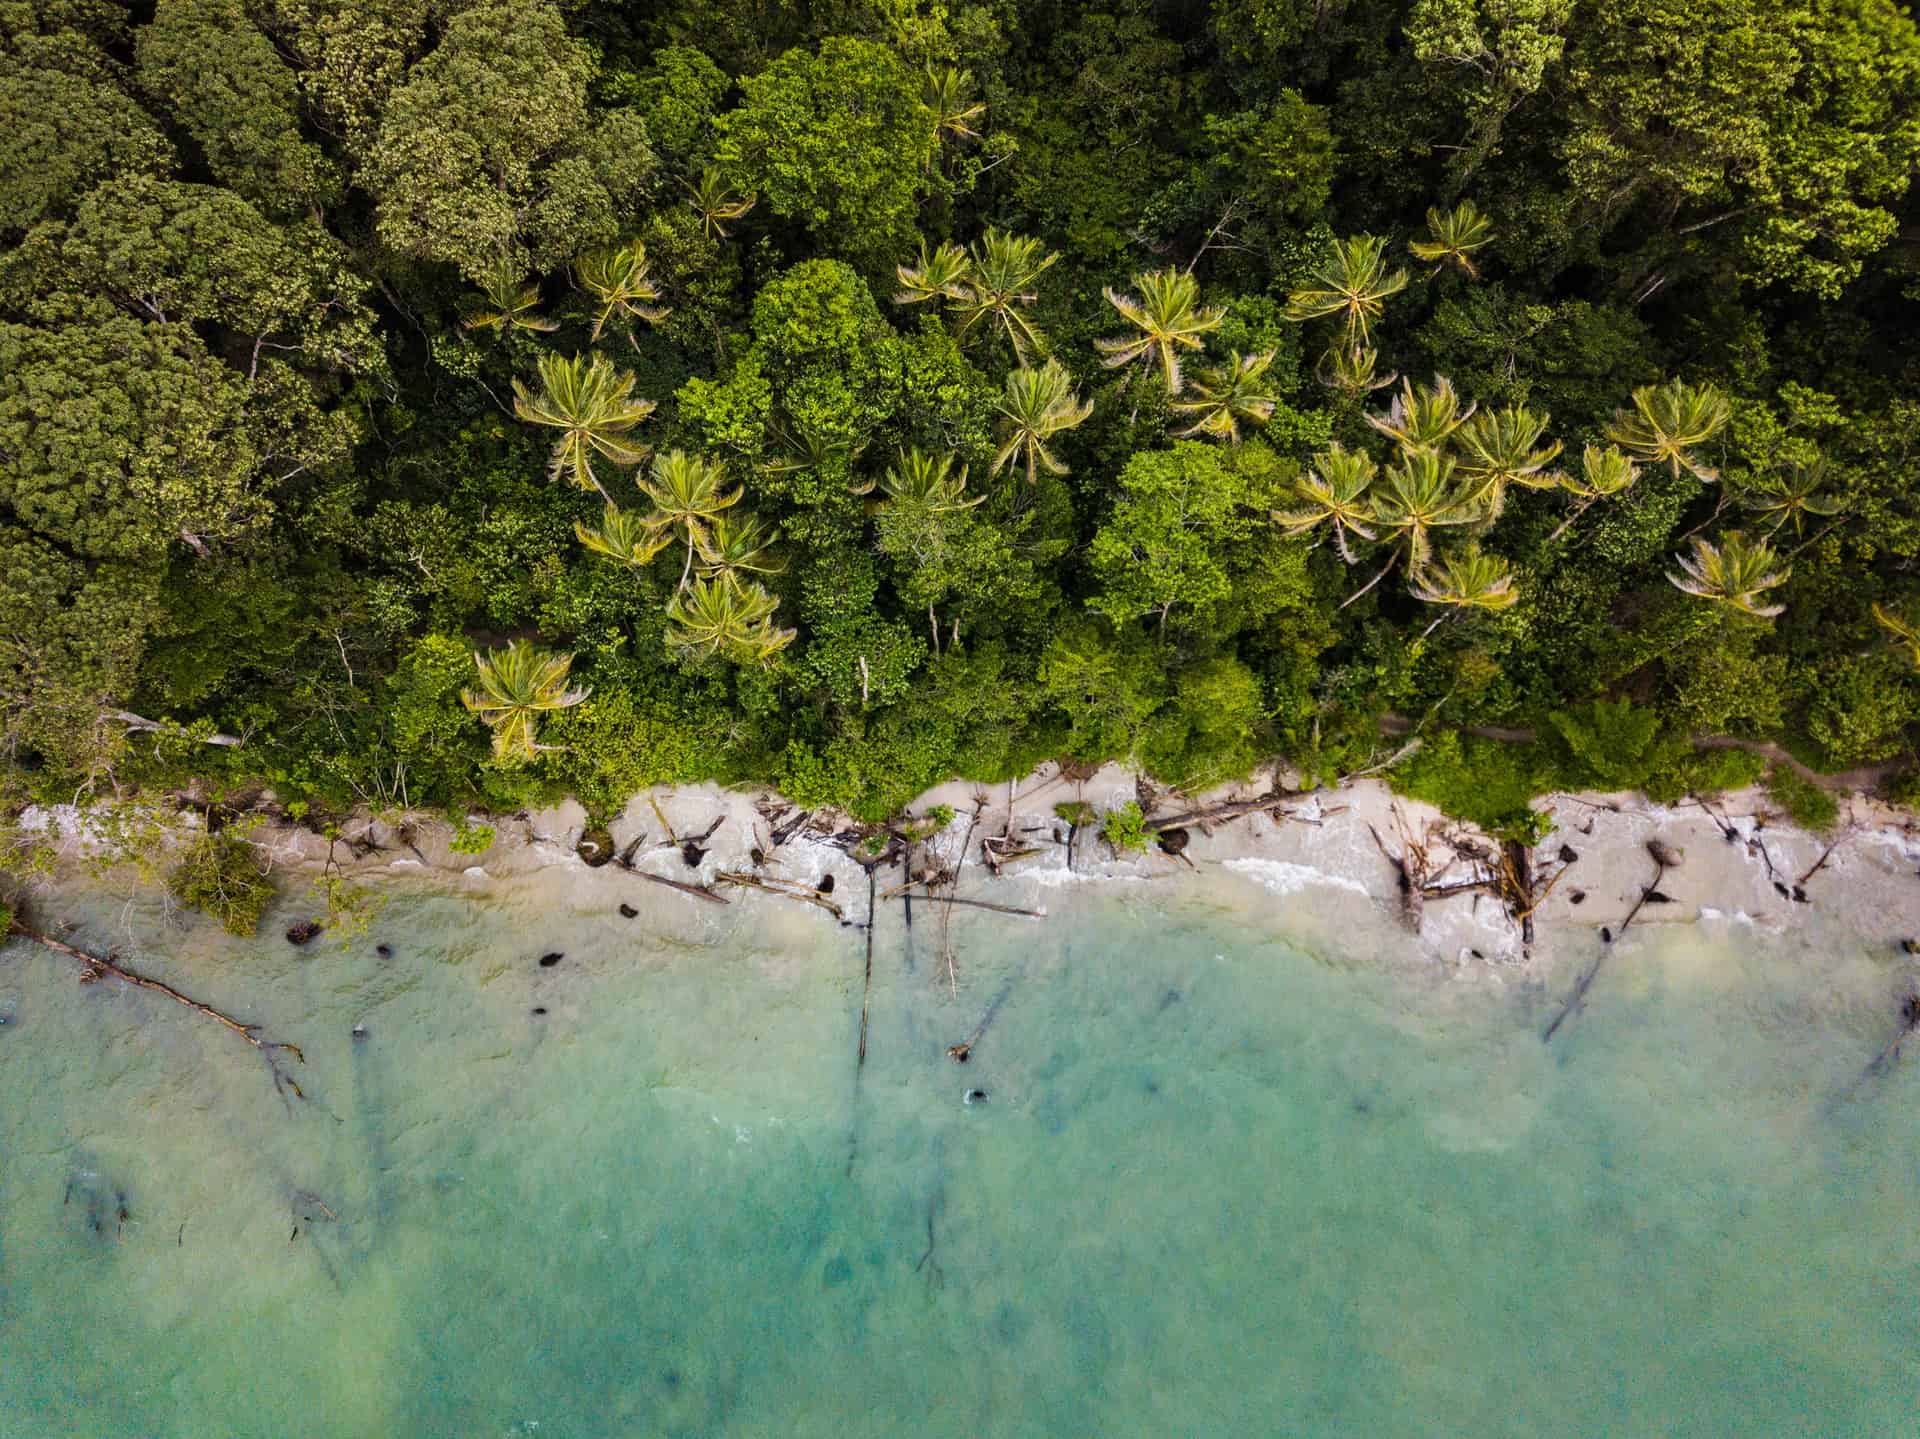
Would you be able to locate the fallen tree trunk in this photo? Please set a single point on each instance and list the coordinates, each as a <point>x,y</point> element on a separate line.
<point>697,891</point>
<point>933,898</point>
<point>790,889</point>
<point>1233,809</point>
<point>100,967</point>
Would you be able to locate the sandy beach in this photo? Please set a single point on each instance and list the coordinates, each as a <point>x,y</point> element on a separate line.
<point>1320,851</point>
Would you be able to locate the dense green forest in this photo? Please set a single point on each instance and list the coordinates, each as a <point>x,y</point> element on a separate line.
<point>462,402</point>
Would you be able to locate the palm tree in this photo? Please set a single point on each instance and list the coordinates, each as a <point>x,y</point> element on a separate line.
<point>1415,497</point>
<point>726,617</point>
<point>626,536</point>
<point>738,543</point>
<point>1355,286</point>
<point>510,303</point>
<point>619,279</point>
<point>1465,580</point>
<point>1603,472</point>
<point>940,275</point>
<point>1224,395</point>
<point>1791,496</point>
<point>1422,419</point>
<point>1734,572</point>
<point>1902,636</point>
<point>1039,405</point>
<point>927,482</point>
<point>518,685</point>
<point>1334,492</point>
<point>1503,447</point>
<point>1669,422</point>
<point>592,404</point>
<point>716,204</point>
<point>1455,235</point>
<point>1353,371</point>
<point>999,284</point>
<point>948,93</point>
<point>1170,318</point>
<point>688,495</point>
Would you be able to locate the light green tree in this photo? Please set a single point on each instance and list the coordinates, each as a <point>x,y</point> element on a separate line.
<point>516,686</point>
<point>1736,572</point>
<point>1669,423</point>
<point>1226,395</point>
<point>621,283</point>
<point>1039,404</point>
<point>592,405</point>
<point>1169,317</point>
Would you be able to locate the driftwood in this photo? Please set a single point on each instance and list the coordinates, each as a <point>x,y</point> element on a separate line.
<point>1664,859</point>
<point>1234,809</point>
<point>866,990</point>
<point>1409,868</point>
<point>697,891</point>
<point>98,968</point>
<point>661,816</point>
<point>790,889</point>
<point>949,899</point>
<point>960,1052</point>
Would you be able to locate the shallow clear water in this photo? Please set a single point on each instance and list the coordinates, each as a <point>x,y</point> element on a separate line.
<point>1246,1166</point>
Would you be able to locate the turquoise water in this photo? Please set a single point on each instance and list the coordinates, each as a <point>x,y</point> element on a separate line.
<point>1228,1180</point>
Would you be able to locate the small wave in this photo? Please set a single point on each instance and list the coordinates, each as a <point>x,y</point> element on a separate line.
<point>1284,877</point>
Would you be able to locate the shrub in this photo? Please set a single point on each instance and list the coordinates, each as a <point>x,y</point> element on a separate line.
<point>1807,804</point>
<point>1484,782</point>
<point>221,875</point>
<point>1125,829</point>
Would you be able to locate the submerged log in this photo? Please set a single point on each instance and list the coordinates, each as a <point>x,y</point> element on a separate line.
<point>961,1052</point>
<point>697,891</point>
<point>1664,857</point>
<point>949,899</point>
<point>98,967</point>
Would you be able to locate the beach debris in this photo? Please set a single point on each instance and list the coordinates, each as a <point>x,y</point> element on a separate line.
<point>960,1053</point>
<point>551,958</point>
<point>539,1009</point>
<point>973,1097</point>
<point>1235,809</point>
<point>95,968</point>
<point>305,932</point>
<point>625,862</point>
<point>385,951</point>
<point>627,911</point>
<point>1664,857</point>
<point>1799,890</point>
<point>787,888</point>
<point>595,847</point>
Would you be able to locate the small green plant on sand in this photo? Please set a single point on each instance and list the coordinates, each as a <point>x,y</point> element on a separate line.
<point>1808,805</point>
<point>222,875</point>
<point>470,837</point>
<point>1074,812</point>
<point>1125,829</point>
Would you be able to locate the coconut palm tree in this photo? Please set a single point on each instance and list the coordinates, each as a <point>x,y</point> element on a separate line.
<point>1039,405</point>
<point>726,617</point>
<point>1901,635</point>
<point>1453,236</point>
<point>1224,395</point>
<point>1423,419</point>
<point>1466,579</point>
<point>625,536</point>
<point>688,493</point>
<point>1352,370</point>
<point>1603,472</point>
<point>1669,422</point>
<point>1334,492</point>
<point>510,303</point>
<point>516,686</point>
<point>999,285</point>
<point>1169,317</point>
<point>592,405</point>
<point>927,482</point>
<point>1504,447</point>
<point>619,279</point>
<point>941,275</point>
<point>948,93</point>
<point>1355,286</point>
<point>1735,572</point>
<point>715,202</point>
<point>738,543</point>
<point>1413,498</point>
<point>1790,495</point>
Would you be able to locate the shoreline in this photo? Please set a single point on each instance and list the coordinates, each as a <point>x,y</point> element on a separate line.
<point>1740,862</point>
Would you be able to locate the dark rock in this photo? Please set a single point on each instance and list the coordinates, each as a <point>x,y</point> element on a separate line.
<point>539,1009</point>
<point>757,855</point>
<point>1174,841</point>
<point>826,884</point>
<point>692,854</point>
<point>1910,946</point>
<point>1568,854</point>
<point>359,1033</point>
<point>1606,936</point>
<point>385,951</point>
<point>1799,895</point>
<point>551,958</point>
<point>838,1272</point>
<point>1476,954</point>
<point>627,911</point>
<point>1655,896</point>
<point>1665,855</point>
<point>976,1096</point>
<point>1579,896</point>
<point>595,847</point>
<point>304,932</point>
